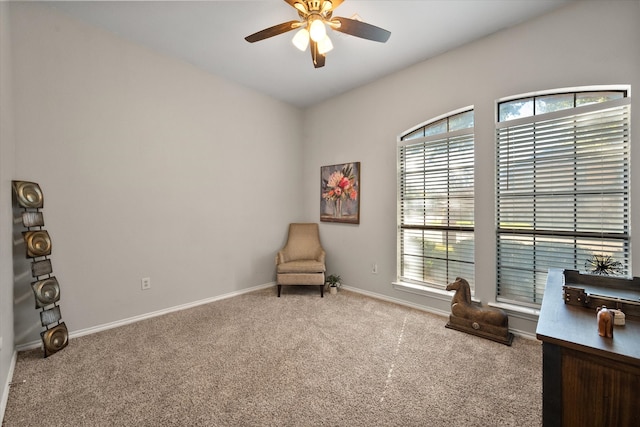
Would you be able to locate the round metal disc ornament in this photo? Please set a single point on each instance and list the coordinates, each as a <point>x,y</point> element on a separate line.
<point>29,194</point>
<point>38,243</point>
<point>55,339</point>
<point>46,291</point>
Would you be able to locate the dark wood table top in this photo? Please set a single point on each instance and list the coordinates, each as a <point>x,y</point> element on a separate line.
<point>577,327</point>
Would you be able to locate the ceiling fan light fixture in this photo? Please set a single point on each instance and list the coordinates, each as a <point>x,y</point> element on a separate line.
<point>301,7</point>
<point>301,39</point>
<point>317,30</point>
<point>314,16</point>
<point>326,6</point>
<point>324,45</point>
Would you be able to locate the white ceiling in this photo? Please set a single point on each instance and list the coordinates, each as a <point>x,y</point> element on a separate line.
<point>210,34</point>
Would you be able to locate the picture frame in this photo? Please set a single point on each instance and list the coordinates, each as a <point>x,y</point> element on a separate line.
<point>340,193</point>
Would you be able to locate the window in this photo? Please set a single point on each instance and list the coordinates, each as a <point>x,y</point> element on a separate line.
<point>436,201</point>
<point>562,187</point>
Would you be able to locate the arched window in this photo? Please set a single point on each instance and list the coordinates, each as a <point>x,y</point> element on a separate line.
<point>436,201</point>
<point>562,196</point>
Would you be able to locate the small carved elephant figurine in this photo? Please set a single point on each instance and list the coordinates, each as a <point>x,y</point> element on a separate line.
<point>605,322</point>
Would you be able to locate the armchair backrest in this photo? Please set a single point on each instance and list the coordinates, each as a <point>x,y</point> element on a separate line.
<point>303,242</point>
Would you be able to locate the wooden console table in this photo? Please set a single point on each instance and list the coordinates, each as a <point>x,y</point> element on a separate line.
<point>588,380</point>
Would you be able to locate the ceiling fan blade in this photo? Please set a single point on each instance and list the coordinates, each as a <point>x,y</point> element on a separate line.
<point>273,31</point>
<point>317,58</point>
<point>359,29</point>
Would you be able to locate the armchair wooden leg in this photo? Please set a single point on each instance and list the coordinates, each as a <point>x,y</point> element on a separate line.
<point>321,291</point>
<point>279,287</point>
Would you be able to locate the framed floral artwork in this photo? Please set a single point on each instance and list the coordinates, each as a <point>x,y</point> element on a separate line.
<point>340,193</point>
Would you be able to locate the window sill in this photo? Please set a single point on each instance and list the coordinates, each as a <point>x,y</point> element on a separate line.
<point>521,312</point>
<point>435,293</point>
<point>513,310</point>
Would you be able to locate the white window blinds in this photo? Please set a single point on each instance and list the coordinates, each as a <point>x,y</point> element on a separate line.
<point>562,194</point>
<point>436,202</point>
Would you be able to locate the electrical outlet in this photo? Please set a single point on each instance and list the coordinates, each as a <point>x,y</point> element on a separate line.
<point>374,268</point>
<point>146,283</point>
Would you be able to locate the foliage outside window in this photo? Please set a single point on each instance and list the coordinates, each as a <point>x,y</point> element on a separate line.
<point>436,201</point>
<point>562,195</point>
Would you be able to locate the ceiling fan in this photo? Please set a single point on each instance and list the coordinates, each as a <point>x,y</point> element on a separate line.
<point>315,15</point>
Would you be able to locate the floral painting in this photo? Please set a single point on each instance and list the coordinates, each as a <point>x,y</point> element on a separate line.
<point>340,193</point>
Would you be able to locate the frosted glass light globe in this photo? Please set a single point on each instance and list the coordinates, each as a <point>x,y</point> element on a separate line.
<point>317,30</point>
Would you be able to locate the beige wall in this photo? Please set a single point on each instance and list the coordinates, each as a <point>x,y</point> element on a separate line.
<point>6,174</point>
<point>149,168</point>
<point>586,43</point>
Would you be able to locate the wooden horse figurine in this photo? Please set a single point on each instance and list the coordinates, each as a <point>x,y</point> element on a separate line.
<point>488,323</point>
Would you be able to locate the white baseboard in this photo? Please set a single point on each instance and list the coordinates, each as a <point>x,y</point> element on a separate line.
<point>118,323</point>
<point>7,386</point>
<point>398,301</point>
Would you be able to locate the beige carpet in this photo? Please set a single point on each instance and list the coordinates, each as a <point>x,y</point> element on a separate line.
<point>298,360</point>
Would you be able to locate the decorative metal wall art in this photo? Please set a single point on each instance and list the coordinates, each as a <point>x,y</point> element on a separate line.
<point>46,292</point>
<point>28,201</point>
<point>28,194</point>
<point>38,243</point>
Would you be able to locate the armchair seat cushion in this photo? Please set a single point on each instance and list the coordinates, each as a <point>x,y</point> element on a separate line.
<point>301,279</point>
<point>301,266</point>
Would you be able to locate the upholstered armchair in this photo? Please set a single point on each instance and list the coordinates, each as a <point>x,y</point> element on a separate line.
<point>301,261</point>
